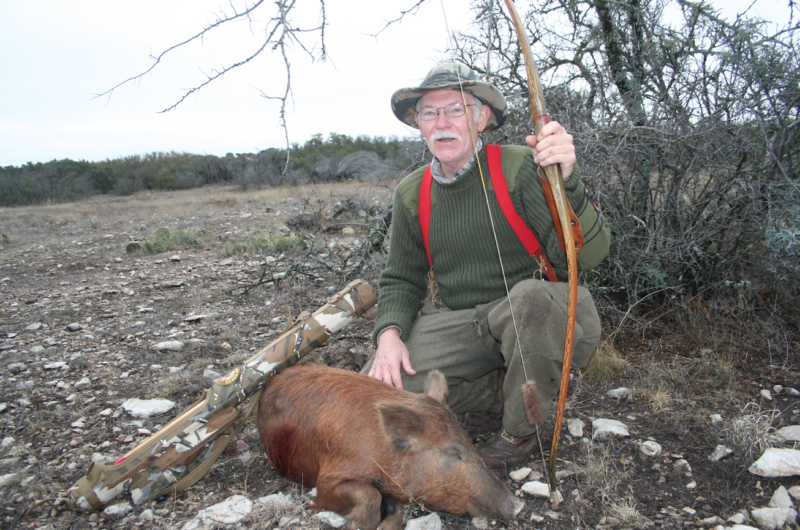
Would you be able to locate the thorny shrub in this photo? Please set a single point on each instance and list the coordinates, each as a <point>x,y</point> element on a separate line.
<point>686,129</point>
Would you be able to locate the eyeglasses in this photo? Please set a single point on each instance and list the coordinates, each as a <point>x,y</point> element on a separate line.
<point>453,110</point>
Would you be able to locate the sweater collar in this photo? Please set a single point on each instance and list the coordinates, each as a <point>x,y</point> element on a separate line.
<point>436,167</point>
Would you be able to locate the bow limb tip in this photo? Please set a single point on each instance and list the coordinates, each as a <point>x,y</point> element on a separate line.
<point>555,498</point>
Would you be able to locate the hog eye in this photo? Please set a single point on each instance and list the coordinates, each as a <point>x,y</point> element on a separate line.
<point>456,455</point>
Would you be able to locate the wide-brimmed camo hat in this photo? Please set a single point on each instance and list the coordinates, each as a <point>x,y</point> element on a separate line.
<point>453,76</point>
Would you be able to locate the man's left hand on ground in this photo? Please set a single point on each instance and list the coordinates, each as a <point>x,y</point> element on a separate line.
<point>553,145</point>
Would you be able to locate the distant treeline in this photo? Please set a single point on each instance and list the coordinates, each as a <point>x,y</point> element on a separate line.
<point>339,157</point>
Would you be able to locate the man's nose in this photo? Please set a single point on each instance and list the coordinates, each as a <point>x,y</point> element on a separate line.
<point>442,119</point>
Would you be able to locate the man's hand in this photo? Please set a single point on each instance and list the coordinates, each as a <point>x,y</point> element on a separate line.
<point>553,146</point>
<point>390,356</point>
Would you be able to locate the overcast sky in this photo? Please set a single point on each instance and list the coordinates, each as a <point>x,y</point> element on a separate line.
<point>55,55</point>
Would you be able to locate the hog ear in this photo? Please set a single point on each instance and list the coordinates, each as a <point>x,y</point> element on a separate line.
<point>436,386</point>
<point>401,425</point>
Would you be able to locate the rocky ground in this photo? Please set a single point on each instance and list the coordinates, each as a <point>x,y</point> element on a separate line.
<point>80,318</point>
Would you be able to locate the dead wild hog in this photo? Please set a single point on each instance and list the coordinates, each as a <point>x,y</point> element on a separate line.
<point>369,447</point>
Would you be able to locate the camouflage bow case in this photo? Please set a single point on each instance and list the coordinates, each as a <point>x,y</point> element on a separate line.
<point>177,456</point>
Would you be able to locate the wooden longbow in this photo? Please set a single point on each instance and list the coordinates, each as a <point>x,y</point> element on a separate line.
<point>556,181</point>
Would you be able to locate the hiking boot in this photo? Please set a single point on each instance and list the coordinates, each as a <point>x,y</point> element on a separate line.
<point>495,412</point>
<point>505,451</point>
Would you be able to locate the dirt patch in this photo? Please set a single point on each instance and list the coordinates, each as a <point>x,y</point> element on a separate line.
<point>67,264</point>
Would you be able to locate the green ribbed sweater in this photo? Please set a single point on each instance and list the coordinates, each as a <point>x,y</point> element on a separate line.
<point>462,246</point>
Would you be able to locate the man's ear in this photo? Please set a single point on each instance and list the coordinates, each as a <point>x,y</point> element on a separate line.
<point>416,118</point>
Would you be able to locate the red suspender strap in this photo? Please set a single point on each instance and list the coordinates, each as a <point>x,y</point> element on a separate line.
<point>425,210</point>
<point>500,186</point>
<point>525,234</point>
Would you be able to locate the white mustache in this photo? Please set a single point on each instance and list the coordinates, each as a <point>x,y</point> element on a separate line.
<point>442,135</point>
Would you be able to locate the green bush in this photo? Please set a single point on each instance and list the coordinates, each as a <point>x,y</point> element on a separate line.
<point>168,239</point>
<point>265,242</point>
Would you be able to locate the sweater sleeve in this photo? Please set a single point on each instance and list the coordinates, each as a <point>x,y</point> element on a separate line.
<point>529,198</point>
<point>402,285</point>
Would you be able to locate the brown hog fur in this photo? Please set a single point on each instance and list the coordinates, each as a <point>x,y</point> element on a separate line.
<point>369,448</point>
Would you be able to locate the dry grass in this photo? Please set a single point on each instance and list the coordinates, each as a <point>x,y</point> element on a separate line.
<point>172,384</point>
<point>598,471</point>
<point>749,434</point>
<point>605,362</point>
<point>623,513</point>
<point>600,474</point>
<point>659,399</point>
<point>51,222</point>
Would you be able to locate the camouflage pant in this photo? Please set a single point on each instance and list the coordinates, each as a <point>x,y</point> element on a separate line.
<point>469,346</point>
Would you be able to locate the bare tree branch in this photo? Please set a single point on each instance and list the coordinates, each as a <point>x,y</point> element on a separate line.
<point>411,10</point>
<point>157,59</point>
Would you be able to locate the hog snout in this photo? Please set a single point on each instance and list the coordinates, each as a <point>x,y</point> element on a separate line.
<point>507,508</point>
<point>495,500</point>
<point>512,507</point>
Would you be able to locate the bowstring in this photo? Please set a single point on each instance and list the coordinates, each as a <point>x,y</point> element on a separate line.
<point>517,344</point>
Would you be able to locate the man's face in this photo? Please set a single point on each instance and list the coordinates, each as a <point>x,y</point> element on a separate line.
<point>451,140</point>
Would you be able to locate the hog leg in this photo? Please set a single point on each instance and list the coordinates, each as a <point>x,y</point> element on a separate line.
<point>393,520</point>
<point>359,503</point>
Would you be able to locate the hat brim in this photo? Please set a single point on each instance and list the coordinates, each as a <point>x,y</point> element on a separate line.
<point>404,101</point>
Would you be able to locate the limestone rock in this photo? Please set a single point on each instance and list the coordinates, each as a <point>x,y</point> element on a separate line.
<point>118,510</point>
<point>431,521</point>
<point>276,503</point>
<point>575,427</point>
<point>230,511</point>
<point>773,518</point>
<point>682,466</point>
<point>650,448</point>
<point>790,433</point>
<point>605,429</point>
<point>195,318</point>
<point>520,474</point>
<point>211,374</point>
<point>169,345</point>
<point>781,499</point>
<point>537,489</point>
<point>777,463</point>
<point>331,518</point>
<point>60,365</point>
<point>144,408</point>
<point>16,368</point>
<point>720,452</point>
<point>619,393</point>
<point>10,478</point>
